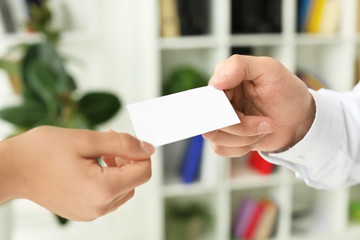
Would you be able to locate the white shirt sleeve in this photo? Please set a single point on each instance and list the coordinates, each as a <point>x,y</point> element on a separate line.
<point>328,156</point>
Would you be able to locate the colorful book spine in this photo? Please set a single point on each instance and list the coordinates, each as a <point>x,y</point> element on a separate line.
<point>259,164</point>
<point>316,15</point>
<point>304,13</point>
<point>255,219</point>
<point>331,17</point>
<point>192,159</point>
<point>301,14</point>
<point>244,214</point>
<point>267,221</point>
<point>170,26</point>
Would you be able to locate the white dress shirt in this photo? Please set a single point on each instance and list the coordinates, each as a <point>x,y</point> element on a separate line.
<point>328,156</point>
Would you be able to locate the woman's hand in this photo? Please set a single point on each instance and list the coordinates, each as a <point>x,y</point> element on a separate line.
<point>58,169</point>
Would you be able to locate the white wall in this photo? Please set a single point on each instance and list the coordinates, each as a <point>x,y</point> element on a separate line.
<point>111,57</point>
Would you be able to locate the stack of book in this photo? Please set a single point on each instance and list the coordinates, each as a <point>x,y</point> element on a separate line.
<point>255,219</point>
<point>318,16</point>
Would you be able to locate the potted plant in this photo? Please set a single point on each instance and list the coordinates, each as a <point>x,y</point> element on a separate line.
<point>187,220</point>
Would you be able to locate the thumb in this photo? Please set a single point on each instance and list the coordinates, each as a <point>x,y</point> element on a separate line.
<point>236,69</point>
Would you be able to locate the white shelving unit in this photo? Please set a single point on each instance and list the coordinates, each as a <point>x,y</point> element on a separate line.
<point>128,47</point>
<point>331,57</point>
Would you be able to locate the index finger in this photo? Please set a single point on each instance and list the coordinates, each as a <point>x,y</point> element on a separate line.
<point>93,144</point>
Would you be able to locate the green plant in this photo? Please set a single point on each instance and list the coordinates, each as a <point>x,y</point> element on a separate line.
<point>48,90</point>
<point>187,220</point>
<point>183,78</point>
<point>49,96</point>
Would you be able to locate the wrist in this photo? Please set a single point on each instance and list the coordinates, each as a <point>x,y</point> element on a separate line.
<point>10,177</point>
<point>304,126</point>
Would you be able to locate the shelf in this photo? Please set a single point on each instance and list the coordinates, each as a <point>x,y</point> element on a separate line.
<point>181,189</point>
<point>354,229</point>
<point>249,40</point>
<point>21,37</point>
<point>317,39</point>
<point>188,42</point>
<point>254,181</point>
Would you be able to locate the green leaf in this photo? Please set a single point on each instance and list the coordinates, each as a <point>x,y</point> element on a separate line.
<point>184,78</point>
<point>42,83</point>
<point>62,221</point>
<point>48,61</point>
<point>26,116</point>
<point>98,107</point>
<point>78,121</point>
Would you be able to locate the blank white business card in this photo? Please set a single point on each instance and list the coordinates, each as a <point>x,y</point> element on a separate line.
<point>178,116</point>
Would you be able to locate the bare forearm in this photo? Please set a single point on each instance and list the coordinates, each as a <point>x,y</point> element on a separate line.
<point>9,172</point>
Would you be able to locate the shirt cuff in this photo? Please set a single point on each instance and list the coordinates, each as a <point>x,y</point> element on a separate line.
<point>322,141</point>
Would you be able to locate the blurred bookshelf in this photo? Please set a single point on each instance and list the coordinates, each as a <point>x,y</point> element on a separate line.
<point>323,46</point>
<point>222,184</point>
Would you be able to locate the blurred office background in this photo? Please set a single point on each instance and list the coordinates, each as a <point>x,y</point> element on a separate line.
<point>142,49</point>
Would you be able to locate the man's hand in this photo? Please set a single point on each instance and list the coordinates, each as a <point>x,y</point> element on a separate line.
<point>275,107</point>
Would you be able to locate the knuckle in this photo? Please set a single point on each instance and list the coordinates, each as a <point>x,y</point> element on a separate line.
<point>145,173</point>
<point>218,149</point>
<point>235,57</point>
<point>271,62</point>
<point>148,173</point>
<point>99,211</point>
<point>40,130</point>
<point>131,194</point>
<point>250,140</point>
<point>107,194</point>
<point>127,141</point>
<point>84,138</point>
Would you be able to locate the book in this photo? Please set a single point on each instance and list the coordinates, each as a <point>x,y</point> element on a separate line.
<point>304,8</point>
<point>242,50</point>
<point>169,18</point>
<point>259,164</point>
<point>331,17</point>
<point>254,221</point>
<point>246,16</point>
<point>243,215</point>
<point>316,14</point>
<point>358,16</point>
<point>256,16</point>
<point>192,159</point>
<point>273,16</point>
<point>194,17</point>
<point>357,71</point>
<point>7,17</point>
<point>267,221</point>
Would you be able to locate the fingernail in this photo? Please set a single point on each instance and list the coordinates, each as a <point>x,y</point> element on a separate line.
<point>264,127</point>
<point>147,147</point>
<point>117,161</point>
<point>223,77</point>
